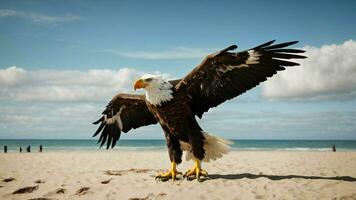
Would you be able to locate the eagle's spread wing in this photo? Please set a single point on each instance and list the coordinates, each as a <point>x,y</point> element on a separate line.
<point>123,113</point>
<point>225,75</point>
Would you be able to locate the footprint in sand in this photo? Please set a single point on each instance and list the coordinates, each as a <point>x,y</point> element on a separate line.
<point>161,194</point>
<point>40,198</point>
<point>8,179</point>
<point>82,191</point>
<point>260,196</point>
<point>106,181</point>
<point>149,196</point>
<point>121,172</point>
<point>27,189</point>
<point>57,191</point>
<point>60,191</point>
<point>113,173</point>
<point>139,170</point>
<point>40,181</point>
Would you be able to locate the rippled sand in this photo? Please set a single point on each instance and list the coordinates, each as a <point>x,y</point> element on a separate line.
<point>130,175</point>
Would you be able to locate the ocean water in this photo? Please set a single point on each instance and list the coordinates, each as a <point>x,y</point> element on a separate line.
<point>157,145</point>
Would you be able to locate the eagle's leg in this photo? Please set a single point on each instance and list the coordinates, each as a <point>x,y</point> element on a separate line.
<point>175,155</point>
<point>171,174</point>
<point>196,140</point>
<point>196,171</point>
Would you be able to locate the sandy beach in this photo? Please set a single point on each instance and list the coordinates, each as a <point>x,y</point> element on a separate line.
<point>130,175</point>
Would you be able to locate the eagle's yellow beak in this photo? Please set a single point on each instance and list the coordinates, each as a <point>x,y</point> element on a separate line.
<point>139,84</point>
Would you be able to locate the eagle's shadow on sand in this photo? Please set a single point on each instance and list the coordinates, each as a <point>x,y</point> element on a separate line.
<point>279,177</point>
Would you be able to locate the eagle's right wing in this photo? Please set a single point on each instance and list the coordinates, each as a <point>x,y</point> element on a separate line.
<point>226,74</point>
<point>123,113</point>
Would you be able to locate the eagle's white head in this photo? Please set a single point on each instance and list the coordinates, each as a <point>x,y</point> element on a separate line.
<point>158,90</point>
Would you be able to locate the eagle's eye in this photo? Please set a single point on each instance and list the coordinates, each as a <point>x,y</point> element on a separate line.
<point>148,79</point>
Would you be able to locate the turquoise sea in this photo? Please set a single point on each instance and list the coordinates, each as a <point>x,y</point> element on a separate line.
<point>156,145</point>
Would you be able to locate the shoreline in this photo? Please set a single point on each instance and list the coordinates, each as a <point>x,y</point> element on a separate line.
<point>92,150</point>
<point>160,145</point>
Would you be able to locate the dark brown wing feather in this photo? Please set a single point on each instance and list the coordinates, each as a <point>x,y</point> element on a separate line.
<point>225,75</point>
<point>123,113</point>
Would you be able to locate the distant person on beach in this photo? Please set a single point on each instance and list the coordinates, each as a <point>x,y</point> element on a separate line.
<point>28,149</point>
<point>41,148</point>
<point>334,148</point>
<point>5,149</point>
<point>20,149</point>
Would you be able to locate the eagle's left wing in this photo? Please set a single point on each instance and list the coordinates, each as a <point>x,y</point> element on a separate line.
<point>225,74</point>
<point>123,113</point>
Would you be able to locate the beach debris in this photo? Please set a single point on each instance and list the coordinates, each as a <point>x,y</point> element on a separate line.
<point>106,181</point>
<point>40,198</point>
<point>8,179</point>
<point>60,191</point>
<point>82,191</point>
<point>40,181</point>
<point>27,189</point>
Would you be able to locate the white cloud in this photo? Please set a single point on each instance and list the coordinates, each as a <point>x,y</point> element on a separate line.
<point>328,73</point>
<point>11,75</point>
<point>38,18</point>
<point>64,85</point>
<point>173,53</point>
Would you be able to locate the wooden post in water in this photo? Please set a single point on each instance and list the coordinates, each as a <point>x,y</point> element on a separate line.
<point>5,149</point>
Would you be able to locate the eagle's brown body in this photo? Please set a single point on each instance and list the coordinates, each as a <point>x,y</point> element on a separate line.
<point>179,124</point>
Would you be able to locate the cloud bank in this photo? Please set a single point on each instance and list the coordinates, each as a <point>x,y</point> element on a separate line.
<point>38,18</point>
<point>58,103</point>
<point>328,73</point>
<point>64,85</point>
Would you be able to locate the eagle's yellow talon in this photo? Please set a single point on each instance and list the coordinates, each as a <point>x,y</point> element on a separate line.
<point>196,171</point>
<point>171,174</point>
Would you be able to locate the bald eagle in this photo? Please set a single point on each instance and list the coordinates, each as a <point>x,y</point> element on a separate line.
<point>174,104</point>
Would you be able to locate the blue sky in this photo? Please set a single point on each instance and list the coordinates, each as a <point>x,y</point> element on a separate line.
<point>62,61</point>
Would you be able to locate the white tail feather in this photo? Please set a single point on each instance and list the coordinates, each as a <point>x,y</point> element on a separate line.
<point>214,147</point>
